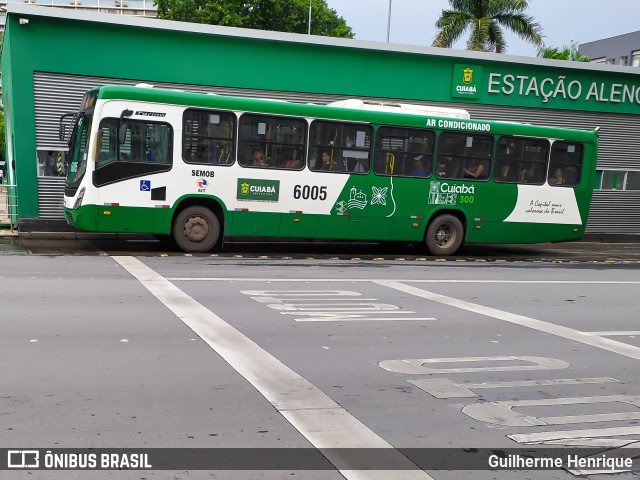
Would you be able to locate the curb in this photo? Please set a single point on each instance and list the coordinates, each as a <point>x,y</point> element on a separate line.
<point>81,236</point>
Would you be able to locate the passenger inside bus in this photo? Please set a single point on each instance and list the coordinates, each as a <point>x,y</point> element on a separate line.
<point>258,159</point>
<point>212,150</point>
<point>474,169</point>
<point>418,167</point>
<point>530,173</point>
<point>325,161</point>
<point>294,161</point>
<point>447,167</point>
<point>571,176</point>
<point>557,178</point>
<point>508,158</point>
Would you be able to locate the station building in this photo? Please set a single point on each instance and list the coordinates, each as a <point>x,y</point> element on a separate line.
<point>52,56</point>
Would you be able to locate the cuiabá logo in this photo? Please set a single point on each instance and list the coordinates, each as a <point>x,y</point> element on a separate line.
<point>465,80</point>
<point>258,189</point>
<point>467,75</point>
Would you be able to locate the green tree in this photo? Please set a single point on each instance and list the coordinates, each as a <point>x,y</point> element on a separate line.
<point>278,15</point>
<point>566,52</point>
<point>486,19</point>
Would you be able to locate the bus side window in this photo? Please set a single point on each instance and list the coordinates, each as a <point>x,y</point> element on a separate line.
<point>208,137</point>
<point>464,155</point>
<point>339,147</point>
<point>157,143</point>
<point>520,160</point>
<point>404,152</point>
<point>478,157</point>
<point>534,164</point>
<point>142,142</point>
<point>448,159</point>
<point>106,143</point>
<point>565,164</point>
<point>269,141</point>
<point>508,158</point>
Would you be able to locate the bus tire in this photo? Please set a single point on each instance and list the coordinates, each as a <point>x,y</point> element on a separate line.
<point>196,229</point>
<point>444,235</point>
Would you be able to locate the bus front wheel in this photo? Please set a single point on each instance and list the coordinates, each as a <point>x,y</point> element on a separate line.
<point>444,235</point>
<point>196,229</point>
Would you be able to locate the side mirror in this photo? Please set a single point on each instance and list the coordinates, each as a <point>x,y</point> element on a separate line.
<point>62,130</point>
<point>122,133</point>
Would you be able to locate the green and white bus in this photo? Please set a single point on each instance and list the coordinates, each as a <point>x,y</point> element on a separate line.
<point>202,167</point>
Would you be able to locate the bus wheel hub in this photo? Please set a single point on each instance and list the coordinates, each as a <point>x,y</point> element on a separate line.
<point>443,235</point>
<point>196,229</point>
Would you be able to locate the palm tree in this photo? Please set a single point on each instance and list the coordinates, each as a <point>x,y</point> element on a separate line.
<point>566,52</point>
<point>486,19</point>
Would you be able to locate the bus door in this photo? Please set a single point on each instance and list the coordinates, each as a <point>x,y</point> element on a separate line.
<point>127,164</point>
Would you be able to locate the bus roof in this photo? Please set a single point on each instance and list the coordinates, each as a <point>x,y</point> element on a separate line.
<point>414,109</point>
<point>343,112</point>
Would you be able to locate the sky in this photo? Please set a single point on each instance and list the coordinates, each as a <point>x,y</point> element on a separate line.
<point>413,21</point>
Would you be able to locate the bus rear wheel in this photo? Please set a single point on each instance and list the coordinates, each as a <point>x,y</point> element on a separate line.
<point>196,229</point>
<point>444,235</point>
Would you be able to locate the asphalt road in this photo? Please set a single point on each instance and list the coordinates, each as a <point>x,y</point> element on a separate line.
<point>245,350</point>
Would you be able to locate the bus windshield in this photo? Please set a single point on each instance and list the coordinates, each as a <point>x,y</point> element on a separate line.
<point>79,150</point>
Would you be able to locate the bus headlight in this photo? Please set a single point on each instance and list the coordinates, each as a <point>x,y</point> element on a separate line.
<point>78,201</point>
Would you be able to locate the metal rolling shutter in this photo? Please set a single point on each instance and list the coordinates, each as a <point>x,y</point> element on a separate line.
<point>51,197</point>
<point>614,212</point>
<point>56,94</point>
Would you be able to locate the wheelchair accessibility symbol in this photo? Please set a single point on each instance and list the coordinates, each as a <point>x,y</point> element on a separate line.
<point>145,185</point>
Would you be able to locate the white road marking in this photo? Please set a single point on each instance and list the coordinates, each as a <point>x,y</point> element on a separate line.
<point>345,307</point>
<point>405,280</point>
<point>501,413</point>
<point>326,300</point>
<point>317,417</point>
<point>416,366</point>
<point>566,435</point>
<point>363,318</point>
<point>593,442</point>
<point>540,325</point>
<point>616,333</point>
<point>301,293</point>
<point>445,388</point>
<point>329,306</point>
